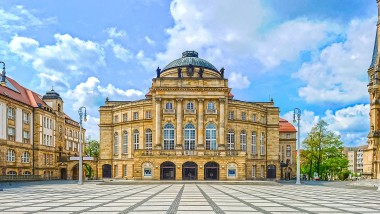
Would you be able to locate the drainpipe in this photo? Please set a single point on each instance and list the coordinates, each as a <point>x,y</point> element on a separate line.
<point>33,142</point>
<point>266,144</point>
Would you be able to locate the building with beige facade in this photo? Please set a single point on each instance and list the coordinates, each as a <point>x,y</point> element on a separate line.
<point>371,159</point>
<point>189,127</point>
<point>36,136</point>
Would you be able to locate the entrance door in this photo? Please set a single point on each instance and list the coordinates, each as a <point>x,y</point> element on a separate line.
<point>271,171</point>
<point>189,171</point>
<point>167,171</point>
<point>106,168</point>
<point>75,172</point>
<point>63,174</point>
<point>211,171</point>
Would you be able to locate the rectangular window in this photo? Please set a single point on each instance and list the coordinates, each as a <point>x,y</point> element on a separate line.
<point>262,144</point>
<point>287,136</point>
<point>288,150</point>
<point>254,171</point>
<point>262,171</point>
<point>135,115</point>
<point>11,133</point>
<point>147,115</point>
<point>44,122</point>
<point>231,172</point>
<point>254,118</point>
<point>116,119</point>
<point>11,113</point>
<point>26,117</point>
<point>51,124</point>
<point>263,119</point>
<point>136,141</point>
<point>125,117</point>
<point>254,144</point>
<point>26,136</point>
<point>125,170</point>
<point>231,115</point>
<point>243,116</point>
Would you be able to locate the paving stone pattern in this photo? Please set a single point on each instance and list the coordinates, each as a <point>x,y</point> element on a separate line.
<point>186,198</point>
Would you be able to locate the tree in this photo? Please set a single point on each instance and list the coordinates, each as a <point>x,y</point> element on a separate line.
<point>323,153</point>
<point>92,150</point>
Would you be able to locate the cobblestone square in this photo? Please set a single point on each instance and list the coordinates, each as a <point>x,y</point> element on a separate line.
<point>186,198</point>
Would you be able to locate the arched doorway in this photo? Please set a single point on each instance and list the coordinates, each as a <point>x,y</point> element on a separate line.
<point>211,171</point>
<point>63,174</point>
<point>167,171</point>
<point>271,171</point>
<point>75,172</point>
<point>189,171</point>
<point>106,169</point>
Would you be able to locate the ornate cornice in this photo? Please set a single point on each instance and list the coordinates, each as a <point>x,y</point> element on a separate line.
<point>190,89</point>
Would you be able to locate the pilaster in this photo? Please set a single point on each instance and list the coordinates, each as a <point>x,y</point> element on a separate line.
<point>200,124</point>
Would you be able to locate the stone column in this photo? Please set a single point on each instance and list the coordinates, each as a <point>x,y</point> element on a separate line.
<point>222,124</point>
<point>158,124</point>
<point>179,127</point>
<point>200,125</point>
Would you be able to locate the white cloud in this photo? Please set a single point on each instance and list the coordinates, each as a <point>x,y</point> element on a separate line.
<point>338,73</point>
<point>18,18</point>
<point>222,35</point>
<point>91,126</point>
<point>149,41</point>
<point>238,81</point>
<point>112,32</point>
<point>351,123</point>
<point>68,56</point>
<point>119,52</point>
<point>111,90</point>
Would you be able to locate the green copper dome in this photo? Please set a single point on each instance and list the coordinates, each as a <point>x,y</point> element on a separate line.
<point>190,57</point>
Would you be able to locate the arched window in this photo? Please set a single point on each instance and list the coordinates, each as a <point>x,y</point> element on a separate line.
<point>59,107</point>
<point>136,140</point>
<point>211,136</point>
<point>262,144</point>
<point>189,137</point>
<point>125,142</point>
<point>116,144</point>
<point>27,173</point>
<point>168,136</point>
<point>11,155</point>
<point>12,173</point>
<point>231,140</point>
<point>190,105</point>
<point>211,106</point>
<point>254,143</point>
<point>243,140</point>
<point>148,139</point>
<point>25,158</point>
<point>169,105</point>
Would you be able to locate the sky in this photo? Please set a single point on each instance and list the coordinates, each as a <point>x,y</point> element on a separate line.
<point>306,54</point>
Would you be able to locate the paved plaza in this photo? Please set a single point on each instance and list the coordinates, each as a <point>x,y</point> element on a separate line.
<point>201,198</point>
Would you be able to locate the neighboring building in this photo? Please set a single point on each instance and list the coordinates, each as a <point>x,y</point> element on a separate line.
<point>355,159</point>
<point>287,149</point>
<point>190,127</point>
<point>371,161</point>
<point>36,136</point>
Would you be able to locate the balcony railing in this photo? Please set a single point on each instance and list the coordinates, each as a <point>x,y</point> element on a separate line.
<point>169,111</point>
<point>155,152</point>
<point>211,111</point>
<point>190,111</point>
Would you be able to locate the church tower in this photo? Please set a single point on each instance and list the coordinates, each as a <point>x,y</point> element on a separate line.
<point>371,162</point>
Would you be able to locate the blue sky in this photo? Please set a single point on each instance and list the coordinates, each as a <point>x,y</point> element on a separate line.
<point>309,54</point>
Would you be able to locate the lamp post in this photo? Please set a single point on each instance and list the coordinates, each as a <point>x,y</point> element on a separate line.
<point>81,115</point>
<point>297,112</point>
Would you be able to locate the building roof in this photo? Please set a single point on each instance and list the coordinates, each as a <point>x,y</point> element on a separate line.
<point>51,95</point>
<point>17,92</point>
<point>190,57</point>
<point>285,126</point>
<point>374,55</point>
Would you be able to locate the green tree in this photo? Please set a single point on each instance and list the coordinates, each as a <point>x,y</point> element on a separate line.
<point>323,153</point>
<point>92,150</point>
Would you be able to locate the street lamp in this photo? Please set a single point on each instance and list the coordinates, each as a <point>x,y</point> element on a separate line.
<point>297,112</point>
<point>81,115</point>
